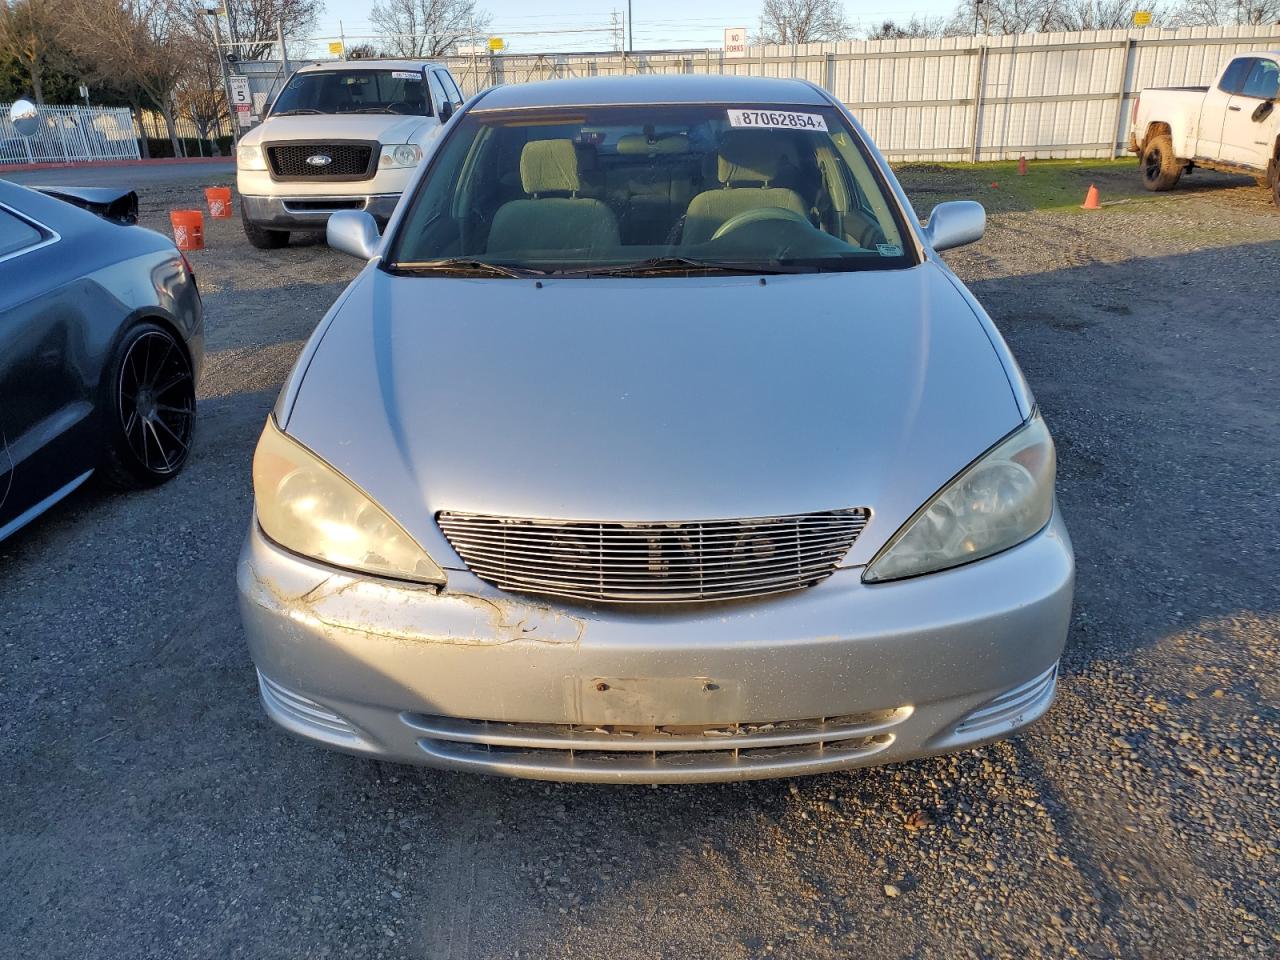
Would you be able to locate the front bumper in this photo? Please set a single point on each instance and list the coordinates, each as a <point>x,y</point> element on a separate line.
<point>840,675</point>
<point>312,212</point>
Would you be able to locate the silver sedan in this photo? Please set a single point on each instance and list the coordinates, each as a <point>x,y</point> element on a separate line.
<point>655,443</point>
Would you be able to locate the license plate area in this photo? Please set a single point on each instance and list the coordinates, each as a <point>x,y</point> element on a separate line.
<point>653,701</point>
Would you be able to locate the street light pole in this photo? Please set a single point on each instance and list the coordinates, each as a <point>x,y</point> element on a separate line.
<point>213,12</point>
<point>629,38</point>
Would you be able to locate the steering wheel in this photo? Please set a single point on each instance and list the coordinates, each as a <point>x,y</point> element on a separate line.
<point>747,217</point>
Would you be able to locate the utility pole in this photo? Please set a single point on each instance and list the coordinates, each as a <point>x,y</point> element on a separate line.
<point>629,34</point>
<point>284,51</point>
<point>213,14</point>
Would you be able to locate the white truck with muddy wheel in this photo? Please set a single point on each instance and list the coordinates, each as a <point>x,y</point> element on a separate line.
<point>344,135</point>
<point>1233,126</point>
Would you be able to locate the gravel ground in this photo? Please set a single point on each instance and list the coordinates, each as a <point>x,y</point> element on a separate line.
<point>151,811</point>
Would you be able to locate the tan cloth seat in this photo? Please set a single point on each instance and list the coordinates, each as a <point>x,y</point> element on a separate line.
<point>562,222</point>
<point>748,164</point>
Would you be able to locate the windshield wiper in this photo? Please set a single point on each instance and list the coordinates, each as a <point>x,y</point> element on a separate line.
<point>464,266</point>
<point>372,110</point>
<point>675,264</point>
<point>295,111</point>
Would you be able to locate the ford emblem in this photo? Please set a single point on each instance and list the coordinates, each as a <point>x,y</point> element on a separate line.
<point>319,160</point>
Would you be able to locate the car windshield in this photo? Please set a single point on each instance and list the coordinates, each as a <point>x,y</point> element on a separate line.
<point>354,91</point>
<point>642,190</point>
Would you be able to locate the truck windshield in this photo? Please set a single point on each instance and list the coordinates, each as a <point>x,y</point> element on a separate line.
<point>644,190</point>
<point>354,91</point>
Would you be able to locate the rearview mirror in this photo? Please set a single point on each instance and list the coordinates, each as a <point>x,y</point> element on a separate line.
<point>955,223</point>
<point>24,117</point>
<point>353,232</point>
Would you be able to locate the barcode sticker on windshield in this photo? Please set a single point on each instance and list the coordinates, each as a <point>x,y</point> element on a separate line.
<point>406,75</point>
<point>777,120</point>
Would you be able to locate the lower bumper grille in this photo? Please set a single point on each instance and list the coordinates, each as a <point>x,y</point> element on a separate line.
<point>655,753</point>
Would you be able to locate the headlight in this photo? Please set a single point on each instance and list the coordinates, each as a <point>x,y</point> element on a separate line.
<point>250,158</point>
<point>396,155</point>
<point>306,506</point>
<point>997,502</point>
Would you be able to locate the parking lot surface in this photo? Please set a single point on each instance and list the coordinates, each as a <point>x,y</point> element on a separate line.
<point>150,810</point>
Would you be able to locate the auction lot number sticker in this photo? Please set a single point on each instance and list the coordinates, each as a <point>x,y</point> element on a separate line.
<point>777,120</point>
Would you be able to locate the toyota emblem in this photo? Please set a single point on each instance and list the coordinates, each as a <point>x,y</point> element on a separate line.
<point>320,160</point>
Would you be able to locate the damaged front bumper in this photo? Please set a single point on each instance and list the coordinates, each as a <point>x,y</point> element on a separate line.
<point>840,675</point>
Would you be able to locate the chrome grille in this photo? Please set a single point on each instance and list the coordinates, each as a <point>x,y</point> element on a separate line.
<point>654,562</point>
<point>347,161</point>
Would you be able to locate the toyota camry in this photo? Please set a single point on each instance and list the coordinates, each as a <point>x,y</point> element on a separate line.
<point>655,442</point>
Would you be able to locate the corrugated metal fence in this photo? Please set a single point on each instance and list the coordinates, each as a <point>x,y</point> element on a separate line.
<point>69,134</point>
<point>952,98</point>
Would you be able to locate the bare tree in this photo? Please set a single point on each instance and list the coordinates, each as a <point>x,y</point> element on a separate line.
<point>1104,14</point>
<point>362,51</point>
<point>426,28</point>
<point>142,47</point>
<point>31,33</point>
<point>1007,16</point>
<point>199,94</point>
<point>915,27</point>
<point>803,21</point>
<point>1227,13</point>
<point>252,24</point>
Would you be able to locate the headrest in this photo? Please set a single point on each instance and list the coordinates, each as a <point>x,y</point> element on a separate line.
<point>549,166</point>
<point>753,155</point>
<point>638,143</point>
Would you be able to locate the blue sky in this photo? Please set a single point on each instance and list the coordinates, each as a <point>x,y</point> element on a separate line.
<point>658,23</point>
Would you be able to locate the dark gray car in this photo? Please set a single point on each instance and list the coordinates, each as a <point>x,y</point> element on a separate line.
<point>101,342</point>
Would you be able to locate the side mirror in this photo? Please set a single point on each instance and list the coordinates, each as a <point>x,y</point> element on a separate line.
<point>446,111</point>
<point>955,223</point>
<point>353,232</point>
<point>25,118</point>
<point>1263,110</point>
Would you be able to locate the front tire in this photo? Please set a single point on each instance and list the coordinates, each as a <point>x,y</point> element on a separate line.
<point>1160,167</point>
<point>150,408</point>
<point>261,237</point>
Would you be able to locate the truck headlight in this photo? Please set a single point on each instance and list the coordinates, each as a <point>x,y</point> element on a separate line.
<point>398,155</point>
<point>250,158</point>
<point>308,507</point>
<point>1000,500</point>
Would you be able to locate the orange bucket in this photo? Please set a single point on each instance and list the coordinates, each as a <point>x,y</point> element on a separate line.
<point>219,200</point>
<point>188,229</point>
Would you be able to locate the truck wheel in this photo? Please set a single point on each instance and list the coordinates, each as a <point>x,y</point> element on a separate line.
<point>1275,191</point>
<point>1160,168</point>
<point>262,238</point>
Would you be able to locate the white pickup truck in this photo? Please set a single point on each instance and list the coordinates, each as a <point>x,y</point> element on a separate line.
<point>1232,126</point>
<point>341,135</point>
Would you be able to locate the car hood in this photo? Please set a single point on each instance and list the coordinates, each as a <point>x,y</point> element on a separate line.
<point>382,127</point>
<point>654,398</point>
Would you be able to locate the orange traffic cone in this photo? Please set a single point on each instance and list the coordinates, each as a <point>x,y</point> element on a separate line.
<point>1091,199</point>
<point>1022,166</point>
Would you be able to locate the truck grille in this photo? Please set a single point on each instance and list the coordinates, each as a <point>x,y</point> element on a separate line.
<point>347,161</point>
<point>654,562</point>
